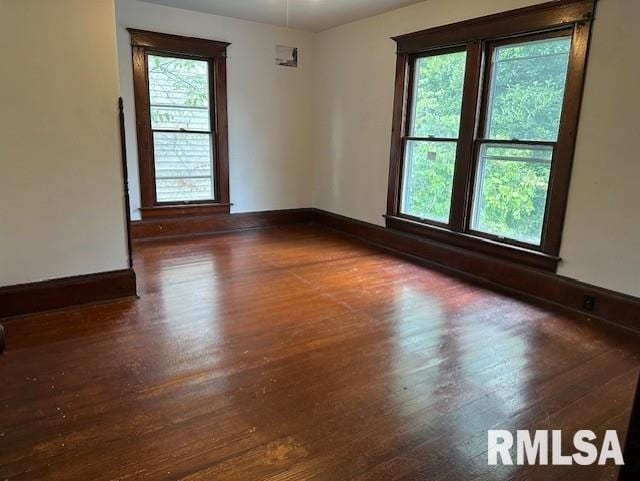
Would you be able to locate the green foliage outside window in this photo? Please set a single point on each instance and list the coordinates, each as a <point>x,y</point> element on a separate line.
<point>525,103</point>
<point>429,166</point>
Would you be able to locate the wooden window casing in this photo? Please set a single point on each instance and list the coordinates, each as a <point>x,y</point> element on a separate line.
<point>478,37</point>
<point>214,53</point>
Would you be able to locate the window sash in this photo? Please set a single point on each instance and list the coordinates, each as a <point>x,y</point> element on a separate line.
<point>475,190</point>
<point>158,165</point>
<point>408,179</point>
<point>489,87</point>
<point>413,93</point>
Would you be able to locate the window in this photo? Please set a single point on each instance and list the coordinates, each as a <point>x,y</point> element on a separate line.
<point>484,123</point>
<point>430,152</point>
<point>524,104</point>
<point>180,88</point>
<point>180,122</point>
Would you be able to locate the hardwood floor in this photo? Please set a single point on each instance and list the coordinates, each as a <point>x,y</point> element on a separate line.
<point>296,354</point>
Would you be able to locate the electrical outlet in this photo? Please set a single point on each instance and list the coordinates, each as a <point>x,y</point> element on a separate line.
<point>589,303</point>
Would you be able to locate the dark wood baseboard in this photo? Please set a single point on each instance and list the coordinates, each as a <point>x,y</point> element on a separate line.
<point>163,211</point>
<point>67,292</point>
<point>533,284</point>
<point>211,224</point>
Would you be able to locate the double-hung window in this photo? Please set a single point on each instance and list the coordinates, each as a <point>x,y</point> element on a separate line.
<point>484,127</point>
<point>180,88</point>
<point>434,126</point>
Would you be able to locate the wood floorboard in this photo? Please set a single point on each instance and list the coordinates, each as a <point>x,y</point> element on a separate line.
<point>292,354</point>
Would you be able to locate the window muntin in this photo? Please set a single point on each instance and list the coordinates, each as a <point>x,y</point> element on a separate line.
<point>431,144</point>
<point>179,102</point>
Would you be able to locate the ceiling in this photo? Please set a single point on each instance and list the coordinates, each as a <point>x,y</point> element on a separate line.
<point>310,15</point>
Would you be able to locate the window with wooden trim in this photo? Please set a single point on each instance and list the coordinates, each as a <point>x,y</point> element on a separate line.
<point>485,118</point>
<point>180,95</point>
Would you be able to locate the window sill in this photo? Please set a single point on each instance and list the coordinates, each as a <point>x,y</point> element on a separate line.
<point>184,210</point>
<point>474,243</point>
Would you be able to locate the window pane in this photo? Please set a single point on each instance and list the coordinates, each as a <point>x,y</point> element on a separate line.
<point>428,179</point>
<point>184,170</point>
<point>527,90</point>
<point>176,118</point>
<point>179,93</point>
<point>438,95</point>
<point>511,191</point>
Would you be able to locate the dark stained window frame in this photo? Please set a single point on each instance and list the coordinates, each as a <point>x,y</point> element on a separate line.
<point>479,36</point>
<point>143,44</point>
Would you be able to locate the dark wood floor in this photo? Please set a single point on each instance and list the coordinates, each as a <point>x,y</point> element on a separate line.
<point>295,354</point>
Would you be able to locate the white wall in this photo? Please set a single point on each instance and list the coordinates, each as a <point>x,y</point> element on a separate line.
<point>270,107</point>
<point>61,211</point>
<point>61,207</point>
<point>601,242</point>
<point>355,66</point>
